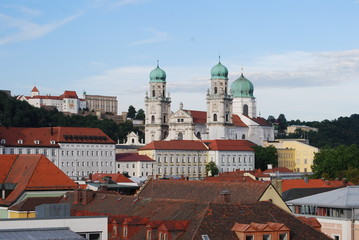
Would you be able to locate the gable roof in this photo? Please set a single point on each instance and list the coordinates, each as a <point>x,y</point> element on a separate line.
<point>34,89</point>
<point>312,183</point>
<point>237,121</point>
<point>278,169</point>
<point>31,172</point>
<point>132,157</point>
<point>230,145</point>
<point>116,177</point>
<point>199,117</point>
<point>259,120</point>
<point>12,135</point>
<point>213,219</point>
<point>69,94</point>
<point>338,198</point>
<point>204,191</point>
<point>175,145</point>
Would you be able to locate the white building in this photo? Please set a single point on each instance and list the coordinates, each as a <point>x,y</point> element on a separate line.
<point>67,102</point>
<point>135,165</point>
<point>76,151</point>
<point>188,158</point>
<point>230,114</point>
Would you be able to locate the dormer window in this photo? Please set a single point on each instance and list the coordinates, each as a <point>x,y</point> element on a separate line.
<point>37,141</point>
<point>3,141</point>
<point>124,231</point>
<point>148,235</point>
<point>52,142</point>
<point>20,141</point>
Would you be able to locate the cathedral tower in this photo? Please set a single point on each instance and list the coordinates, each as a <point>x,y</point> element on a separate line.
<point>219,103</point>
<point>244,103</point>
<point>158,107</point>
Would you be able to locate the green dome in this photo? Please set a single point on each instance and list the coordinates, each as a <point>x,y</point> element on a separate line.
<point>219,72</point>
<point>242,87</point>
<point>157,75</point>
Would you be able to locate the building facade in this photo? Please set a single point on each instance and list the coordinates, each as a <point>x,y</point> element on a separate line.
<point>231,113</point>
<point>293,154</point>
<point>76,151</point>
<point>103,104</point>
<point>135,165</point>
<point>67,102</point>
<point>188,158</point>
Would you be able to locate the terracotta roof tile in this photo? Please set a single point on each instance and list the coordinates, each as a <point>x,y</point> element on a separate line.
<point>312,183</point>
<point>116,177</point>
<point>199,117</point>
<point>69,94</point>
<point>204,191</point>
<point>213,219</point>
<point>259,120</point>
<point>237,121</point>
<point>33,172</point>
<point>15,136</point>
<point>132,157</point>
<point>230,145</point>
<point>175,145</point>
<point>34,89</point>
<point>278,169</point>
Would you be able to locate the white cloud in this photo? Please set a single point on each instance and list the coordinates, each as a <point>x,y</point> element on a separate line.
<point>157,37</point>
<point>25,30</point>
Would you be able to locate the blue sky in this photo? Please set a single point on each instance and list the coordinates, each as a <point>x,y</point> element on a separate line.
<point>301,55</point>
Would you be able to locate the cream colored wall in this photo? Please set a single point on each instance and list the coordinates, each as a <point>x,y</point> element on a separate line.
<point>286,158</point>
<point>272,195</point>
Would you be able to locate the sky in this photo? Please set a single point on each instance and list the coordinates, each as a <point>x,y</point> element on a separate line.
<point>302,56</point>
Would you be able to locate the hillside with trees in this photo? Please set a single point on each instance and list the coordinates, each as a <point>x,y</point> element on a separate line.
<point>15,113</point>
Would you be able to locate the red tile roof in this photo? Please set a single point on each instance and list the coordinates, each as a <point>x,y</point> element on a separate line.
<point>69,94</point>
<point>30,203</point>
<point>116,177</point>
<point>259,120</point>
<point>12,135</point>
<point>312,183</point>
<point>230,145</point>
<point>132,157</point>
<point>230,179</point>
<point>199,117</point>
<point>31,172</point>
<point>213,219</point>
<point>311,221</point>
<point>175,145</point>
<point>237,121</point>
<point>34,89</point>
<point>204,191</point>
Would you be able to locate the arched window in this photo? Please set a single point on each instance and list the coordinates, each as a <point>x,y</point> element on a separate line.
<point>180,136</point>
<point>133,140</point>
<point>125,231</point>
<point>245,109</point>
<point>227,117</point>
<point>215,90</point>
<point>243,136</point>
<point>163,93</point>
<point>153,93</point>
<point>236,137</point>
<point>153,119</point>
<point>164,119</point>
<point>165,134</point>
<point>214,117</point>
<point>198,135</point>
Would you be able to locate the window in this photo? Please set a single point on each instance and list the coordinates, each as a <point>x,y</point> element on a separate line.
<point>336,237</point>
<point>284,236</point>
<point>227,117</point>
<point>243,136</point>
<point>215,90</point>
<point>149,232</point>
<point>153,93</point>
<point>152,119</point>
<point>160,236</point>
<point>249,237</point>
<point>125,231</point>
<point>245,109</point>
<point>205,237</point>
<point>267,237</point>
<point>180,136</point>
<point>165,236</point>
<point>214,117</point>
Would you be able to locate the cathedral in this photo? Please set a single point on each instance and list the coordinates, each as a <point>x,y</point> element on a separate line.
<point>231,113</point>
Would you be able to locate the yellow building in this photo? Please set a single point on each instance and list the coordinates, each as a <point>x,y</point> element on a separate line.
<point>295,154</point>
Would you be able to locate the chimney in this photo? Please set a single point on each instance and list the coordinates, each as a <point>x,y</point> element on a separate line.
<point>225,196</point>
<point>269,166</point>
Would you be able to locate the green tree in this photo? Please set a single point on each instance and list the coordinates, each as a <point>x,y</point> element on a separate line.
<point>212,168</point>
<point>282,124</point>
<point>271,119</point>
<point>265,156</point>
<point>131,113</point>
<point>140,114</point>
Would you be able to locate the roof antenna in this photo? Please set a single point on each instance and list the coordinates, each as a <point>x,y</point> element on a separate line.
<point>219,57</point>
<point>242,70</point>
<point>158,63</point>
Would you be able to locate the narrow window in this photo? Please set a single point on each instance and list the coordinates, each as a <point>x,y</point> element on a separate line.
<point>153,119</point>
<point>245,109</point>
<point>215,90</point>
<point>215,117</point>
<point>153,93</point>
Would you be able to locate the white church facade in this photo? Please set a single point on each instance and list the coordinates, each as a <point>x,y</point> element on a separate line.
<point>231,114</point>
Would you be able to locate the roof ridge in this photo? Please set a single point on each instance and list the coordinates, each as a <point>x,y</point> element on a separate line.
<point>12,165</point>
<point>200,222</point>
